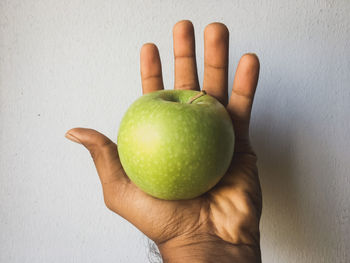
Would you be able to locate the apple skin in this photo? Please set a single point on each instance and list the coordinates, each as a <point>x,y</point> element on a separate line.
<point>173,150</point>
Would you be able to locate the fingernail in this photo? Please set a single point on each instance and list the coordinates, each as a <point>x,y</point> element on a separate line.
<point>72,138</point>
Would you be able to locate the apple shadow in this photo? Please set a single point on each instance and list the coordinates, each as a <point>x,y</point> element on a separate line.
<point>291,220</point>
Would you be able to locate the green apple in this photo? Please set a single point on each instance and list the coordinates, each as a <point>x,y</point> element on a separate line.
<point>176,144</point>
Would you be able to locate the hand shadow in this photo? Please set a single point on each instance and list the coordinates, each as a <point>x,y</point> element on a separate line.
<point>293,221</point>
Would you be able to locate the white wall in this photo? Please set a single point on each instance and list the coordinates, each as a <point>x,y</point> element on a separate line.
<point>76,63</point>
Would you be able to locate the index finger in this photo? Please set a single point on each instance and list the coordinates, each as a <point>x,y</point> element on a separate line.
<point>151,68</point>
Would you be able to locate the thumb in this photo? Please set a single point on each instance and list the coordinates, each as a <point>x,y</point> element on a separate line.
<point>104,153</point>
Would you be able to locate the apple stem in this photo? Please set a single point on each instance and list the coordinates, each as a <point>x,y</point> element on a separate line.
<point>200,94</point>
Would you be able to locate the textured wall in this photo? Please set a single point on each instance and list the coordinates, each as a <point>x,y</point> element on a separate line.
<point>76,63</point>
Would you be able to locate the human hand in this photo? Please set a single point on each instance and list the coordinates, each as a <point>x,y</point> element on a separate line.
<point>221,225</point>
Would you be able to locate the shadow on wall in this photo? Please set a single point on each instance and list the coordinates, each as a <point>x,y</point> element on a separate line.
<point>293,222</point>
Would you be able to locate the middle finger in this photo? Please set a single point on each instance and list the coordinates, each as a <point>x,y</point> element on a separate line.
<point>185,56</point>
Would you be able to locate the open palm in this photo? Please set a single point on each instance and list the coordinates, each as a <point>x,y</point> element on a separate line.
<point>228,214</point>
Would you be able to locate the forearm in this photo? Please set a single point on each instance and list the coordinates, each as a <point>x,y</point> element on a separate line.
<point>218,251</point>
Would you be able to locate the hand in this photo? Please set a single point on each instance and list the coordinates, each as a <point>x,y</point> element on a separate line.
<point>223,224</point>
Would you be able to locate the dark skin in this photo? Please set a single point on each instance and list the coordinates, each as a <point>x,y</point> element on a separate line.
<point>222,225</point>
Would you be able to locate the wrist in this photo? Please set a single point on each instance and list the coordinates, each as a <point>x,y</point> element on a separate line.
<point>213,249</point>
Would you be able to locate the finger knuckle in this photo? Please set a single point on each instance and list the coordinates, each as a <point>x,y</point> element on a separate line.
<point>105,147</point>
<point>108,203</point>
